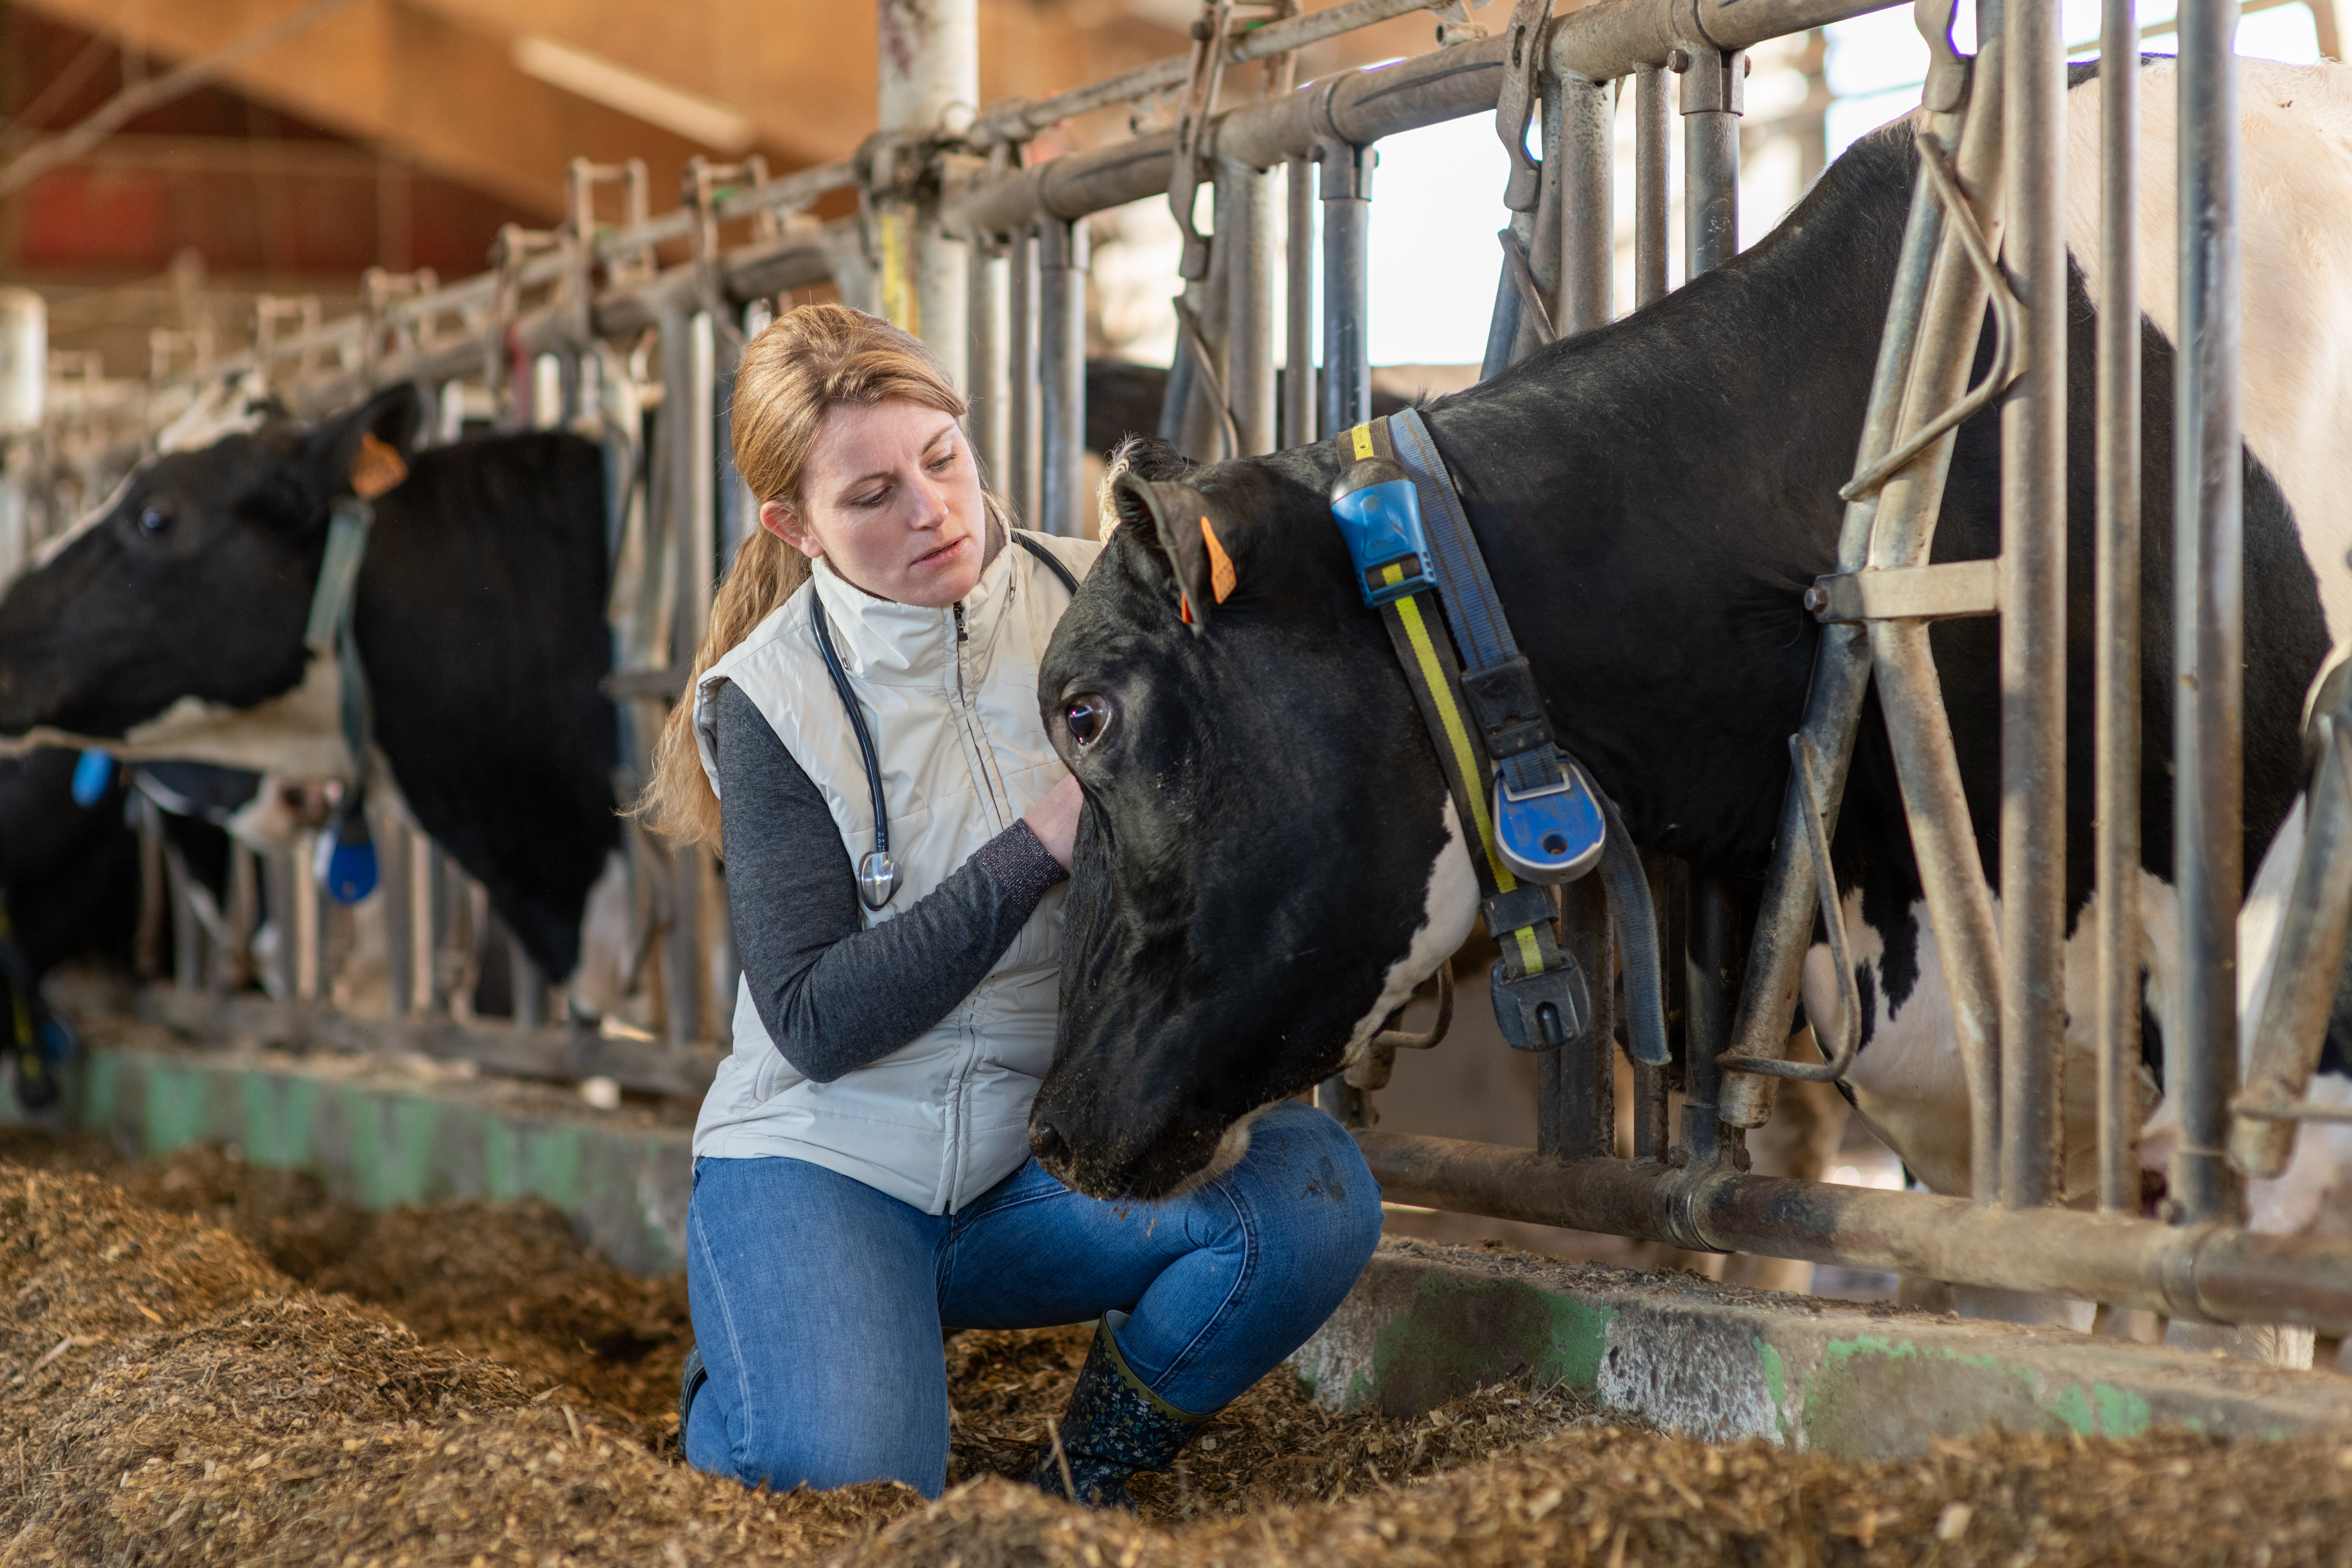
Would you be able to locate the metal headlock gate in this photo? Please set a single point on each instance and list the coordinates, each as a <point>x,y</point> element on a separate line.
<point>987,257</point>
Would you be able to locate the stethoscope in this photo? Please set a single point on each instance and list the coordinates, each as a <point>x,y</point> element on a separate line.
<point>878,872</point>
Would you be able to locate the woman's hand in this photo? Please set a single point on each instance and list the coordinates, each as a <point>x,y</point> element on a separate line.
<point>1054,819</point>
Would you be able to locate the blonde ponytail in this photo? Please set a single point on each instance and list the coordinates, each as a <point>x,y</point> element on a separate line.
<point>804,363</point>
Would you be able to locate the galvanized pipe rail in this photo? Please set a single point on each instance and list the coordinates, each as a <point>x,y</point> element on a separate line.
<point>1357,108</point>
<point>2198,1272</point>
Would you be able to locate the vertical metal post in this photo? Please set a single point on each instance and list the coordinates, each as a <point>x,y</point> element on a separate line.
<point>428,908</point>
<point>1711,102</point>
<point>401,957</point>
<point>1298,399</point>
<point>187,930</point>
<point>1061,355</point>
<point>1714,94</point>
<point>2116,1022</point>
<point>280,870</point>
<point>1539,231</point>
<point>1653,1132</point>
<point>2208,652</point>
<point>309,957</point>
<point>1712,962</point>
<point>529,986</point>
<point>1588,207</point>
<point>1347,304</point>
<point>1028,414</point>
<point>1576,1096</point>
<point>682,978</point>
<point>1245,210</point>
<point>2033,613</point>
<point>988,370</point>
<point>930,86</point>
<point>1652,120</point>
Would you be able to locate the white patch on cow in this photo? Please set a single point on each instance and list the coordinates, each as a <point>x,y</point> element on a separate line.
<point>1449,905</point>
<point>2297,377</point>
<point>298,733</point>
<point>1907,1079</point>
<point>1908,1082</point>
<point>600,986</point>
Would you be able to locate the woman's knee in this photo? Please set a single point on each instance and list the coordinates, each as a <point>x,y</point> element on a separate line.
<point>1311,1173</point>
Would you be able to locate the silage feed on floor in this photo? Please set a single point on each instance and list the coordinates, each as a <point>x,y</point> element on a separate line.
<point>215,1365</point>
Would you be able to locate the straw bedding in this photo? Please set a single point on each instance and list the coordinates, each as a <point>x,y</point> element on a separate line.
<point>210,1363</point>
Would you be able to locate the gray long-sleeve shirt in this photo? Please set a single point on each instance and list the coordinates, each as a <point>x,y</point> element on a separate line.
<point>835,996</point>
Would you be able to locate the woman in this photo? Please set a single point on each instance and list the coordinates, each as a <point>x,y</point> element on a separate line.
<point>862,1174</point>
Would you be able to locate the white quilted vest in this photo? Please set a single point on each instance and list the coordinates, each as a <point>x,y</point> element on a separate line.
<point>962,754</point>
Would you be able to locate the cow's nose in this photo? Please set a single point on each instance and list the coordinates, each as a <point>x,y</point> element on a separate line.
<point>1045,1141</point>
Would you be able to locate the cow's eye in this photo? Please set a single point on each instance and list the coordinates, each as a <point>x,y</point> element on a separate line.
<point>1089,719</point>
<point>153,519</point>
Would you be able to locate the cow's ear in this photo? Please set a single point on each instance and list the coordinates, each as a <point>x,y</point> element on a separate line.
<point>1198,546</point>
<point>366,451</point>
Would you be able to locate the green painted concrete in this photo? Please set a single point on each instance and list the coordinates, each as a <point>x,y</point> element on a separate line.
<point>377,1137</point>
<point>1427,1322</point>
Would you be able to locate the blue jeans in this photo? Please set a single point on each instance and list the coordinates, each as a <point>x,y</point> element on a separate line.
<point>818,1302</point>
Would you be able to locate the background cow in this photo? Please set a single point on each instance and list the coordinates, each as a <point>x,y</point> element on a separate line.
<point>171,625</point>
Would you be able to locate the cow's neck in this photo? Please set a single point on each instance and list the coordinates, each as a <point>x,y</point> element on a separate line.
<point>1654,497</point>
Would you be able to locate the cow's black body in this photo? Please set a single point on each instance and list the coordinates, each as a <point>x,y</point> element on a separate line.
<point>1653,497</point>
<point>479,617</point>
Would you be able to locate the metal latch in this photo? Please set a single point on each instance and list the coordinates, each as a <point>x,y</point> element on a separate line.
<point>1950,591</point>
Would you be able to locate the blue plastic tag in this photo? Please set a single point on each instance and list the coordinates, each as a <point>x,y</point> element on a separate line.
<point>93,773</point>
<point>1381,526</point>
<point>348,872</point>
<point>1552,837</point>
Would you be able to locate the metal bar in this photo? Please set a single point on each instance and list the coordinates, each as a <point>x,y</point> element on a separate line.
<point>1588,207</point>
<point>2203,1272</point>
<point>2116,721</point>
<point>1539,309</point>
<point>1246,205</point>
<point>988,373</point>
<point>1959,902</point>
<point>1652,118</point>
<point>1576,1104</point>
<point>1653,1128</point>
<point>563,1055</point>
<point>1711,965</point>
<point>1298,399</point>
<point>1503,322</point>
<point>401,958</point>
<point>309,957</point>
<point>2304,971</point>
<point>528,987</point>
<point>1022,117</point>
<point>1028,412</point>
<point>1598,42</point>
<point>681,949</point>
<point>1061,355</point>
<point>2034,614</point>
<point>428,908</point>
<point>1712,97</point>
<point>1347,302</point>
<point>2208,555</point>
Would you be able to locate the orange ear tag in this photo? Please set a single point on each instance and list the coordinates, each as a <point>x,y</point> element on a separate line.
<point>377,467</point>
<point>1223,579</point>
<point>1184,607</point>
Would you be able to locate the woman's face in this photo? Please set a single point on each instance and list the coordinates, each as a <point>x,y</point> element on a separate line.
<point>891,497</point>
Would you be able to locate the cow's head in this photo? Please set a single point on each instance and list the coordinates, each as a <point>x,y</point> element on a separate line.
<point>189,593</point>
<point>1267,863</point>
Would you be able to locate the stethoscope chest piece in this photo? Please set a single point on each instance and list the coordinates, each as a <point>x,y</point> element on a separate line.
<point>878,878</point>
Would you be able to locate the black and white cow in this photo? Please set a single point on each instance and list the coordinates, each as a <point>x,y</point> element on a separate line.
<point>172,625</point>
<point>1269,861</point>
